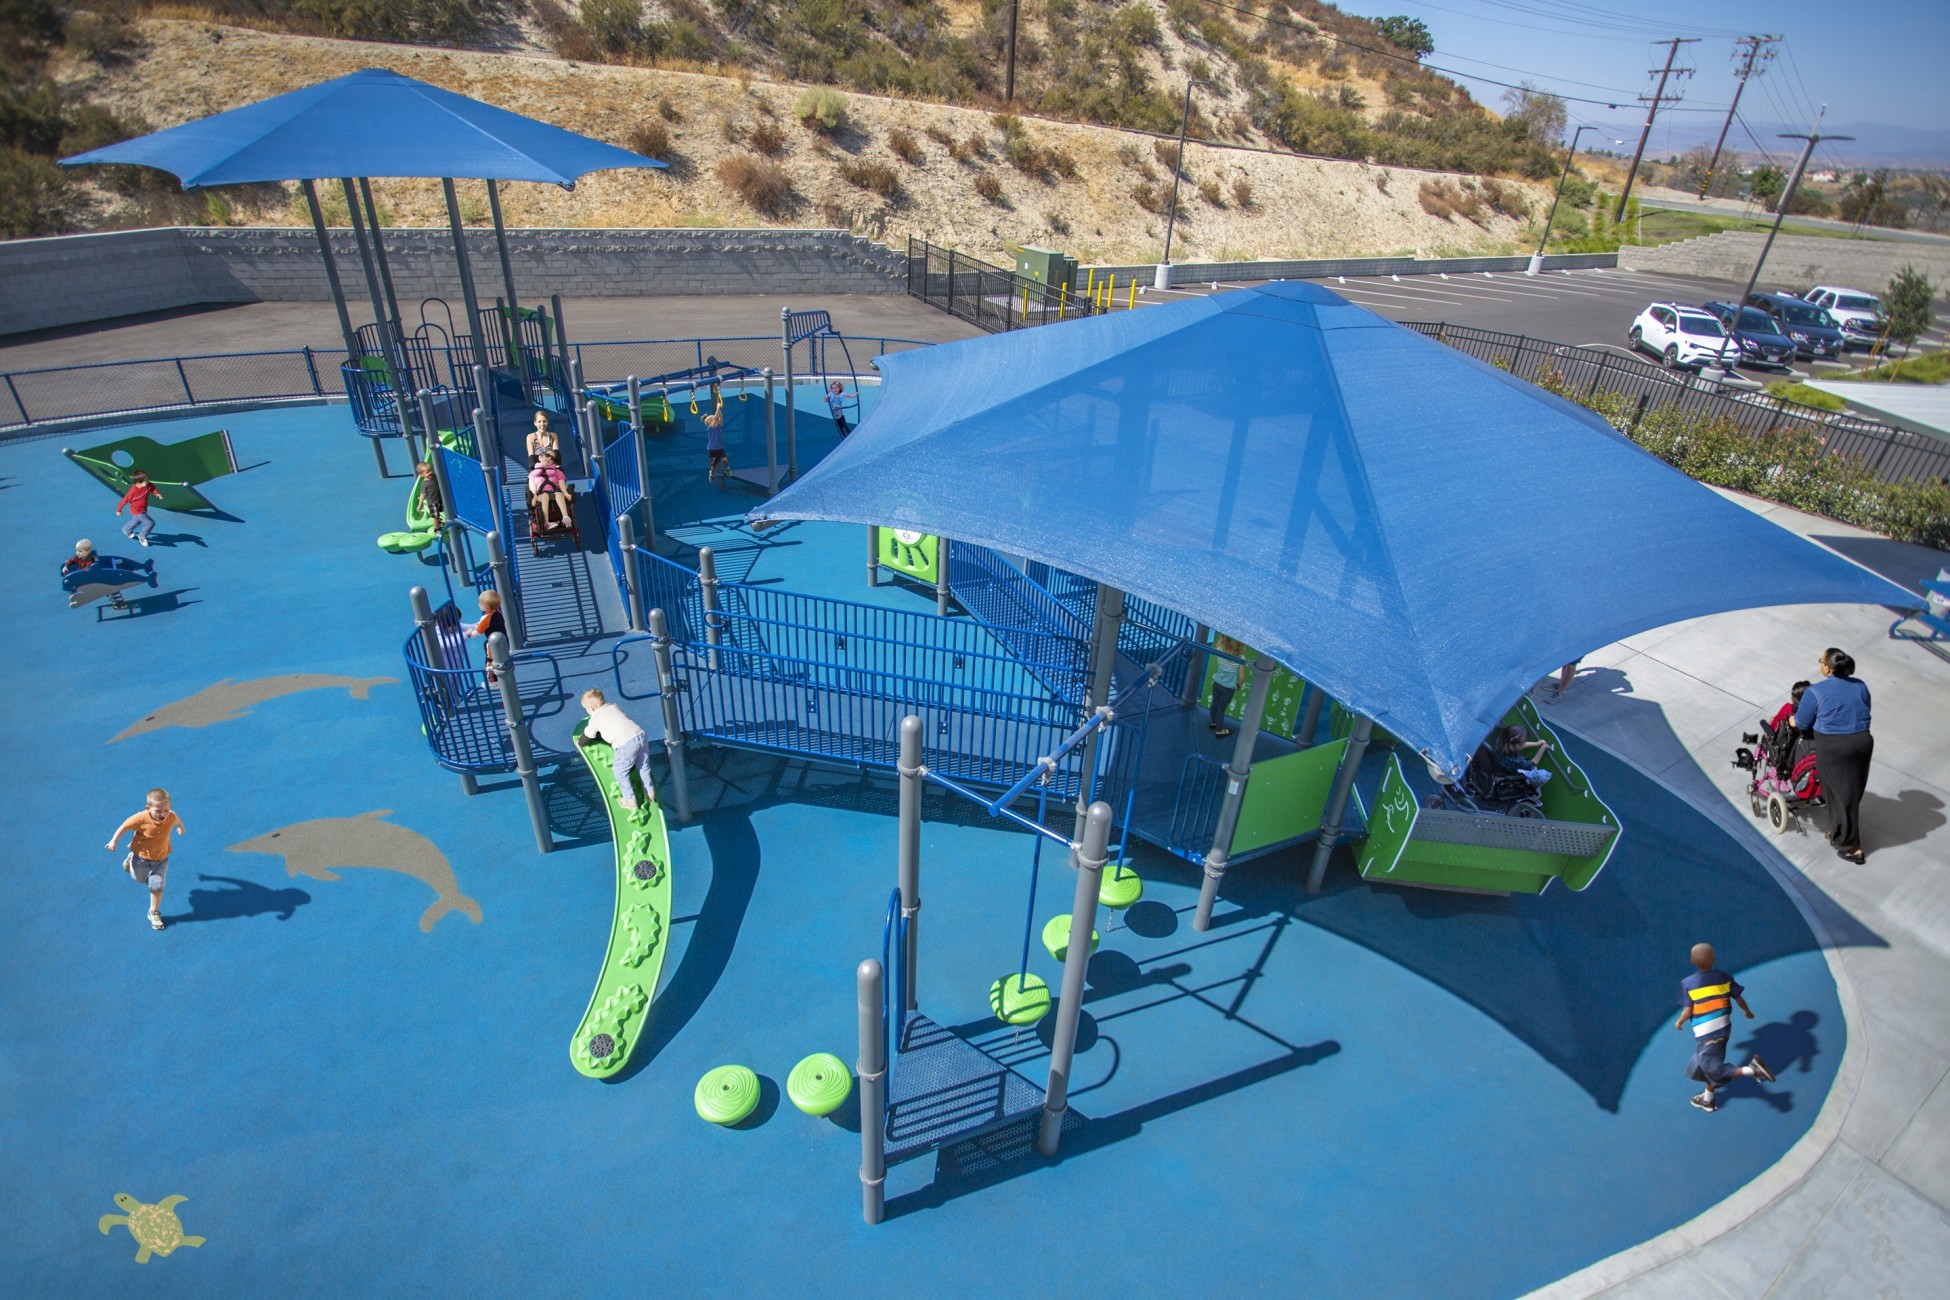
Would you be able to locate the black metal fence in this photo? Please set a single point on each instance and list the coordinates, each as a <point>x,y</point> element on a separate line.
<point>1585,372</point>
<point>983,294</point>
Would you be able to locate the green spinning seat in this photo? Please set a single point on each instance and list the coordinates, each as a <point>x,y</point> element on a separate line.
<point>1019,999</point>
<point>1056,938</point>
<point>1121,887</point>
<point>726,1095</point>
<point>819,1084</point>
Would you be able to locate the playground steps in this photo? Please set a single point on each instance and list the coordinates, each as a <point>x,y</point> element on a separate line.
<point>945,1090</point>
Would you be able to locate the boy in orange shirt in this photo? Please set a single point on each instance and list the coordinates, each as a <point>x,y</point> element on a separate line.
<point>148,859</point>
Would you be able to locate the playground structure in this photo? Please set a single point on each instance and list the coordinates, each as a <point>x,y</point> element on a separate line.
<point>175,468</point>
<point>106,579</point>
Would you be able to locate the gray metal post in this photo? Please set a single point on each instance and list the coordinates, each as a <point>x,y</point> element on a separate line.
<point>771,436</point>
<point>487,433</point>
<point>507,274</point>
<point>449,525</point>
<point>490,457</point>
<point>1083,920</point>
<point>1108,621</point>
<point>394,315</point>
<point>504,586</point>
<point>592,434</point>
<point>941,545</point>
<point>574,366</point>
<point>1195,667</point>
<point>673,726</point>
<point>632,584</point>
<point>466,273</point>
<point>394,362</point>
<point>791,424</point>
<point>430,646</point>
<point>331,269</point>
<point>561,335</point>
<point>872,1069</point>
<point>1237,772</point>
<point>873,555</point>
<point>1330,822</point>
<point>910,770</point>
<point>641,445</point>
<point>1310,717</point>
<point>531,782</point>
<point>707,585</point>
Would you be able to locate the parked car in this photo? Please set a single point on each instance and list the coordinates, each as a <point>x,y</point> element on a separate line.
<point>1755,339</point>
<point>1815,334</point>
<point>1681,336</point>
<point>1859,313</point>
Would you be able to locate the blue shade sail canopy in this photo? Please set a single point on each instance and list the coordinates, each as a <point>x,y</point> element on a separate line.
<point>368,123</point>
<point>1420,534</point>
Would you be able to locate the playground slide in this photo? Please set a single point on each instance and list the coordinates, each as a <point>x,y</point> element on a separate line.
<point>420,532</point>
<point>638,933</point>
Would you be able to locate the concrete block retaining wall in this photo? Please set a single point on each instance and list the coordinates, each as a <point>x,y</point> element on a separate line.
<point>75,279</point>
<point>1795,262</point>
<point>1316,268</point>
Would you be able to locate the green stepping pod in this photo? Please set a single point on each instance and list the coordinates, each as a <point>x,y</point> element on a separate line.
<point>1121,887</point>
<point>1056,938</point>
<point>1019,1000</point>
<point>638,934</point>
<point>819,1084</point>
<point>726,1095</point>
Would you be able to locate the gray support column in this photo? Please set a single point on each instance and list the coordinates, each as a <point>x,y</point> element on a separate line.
<point>397,319</point>
<point>531,782</point>
<point>1330,822</point>
<point>507,271</point>
<point>707,586</point>
<point>394,361</point>
<point>574,366</point>
<point>331,269</point>
<point>872,1069</point>
<point>873,555</point>
<point>910,770</point>
<point>1195,667</point>
<point>673,725</point>
<point>1106,624</point>
<point>430,648</point>
<point>941,545</point>
<point>487,433</point>
<point>632,582</point>
<point>791,423</point>
<point>490,450</point>
<point>641,445</point>
<point>561,334</point>
<point>466,273</point>
<point>1083,919</point>
<point>1310,716</point>
<point>449,526</point>
<point>771,436</point>
<point>504,586</point>
<point>1237,773</point>
<point>592,436</point>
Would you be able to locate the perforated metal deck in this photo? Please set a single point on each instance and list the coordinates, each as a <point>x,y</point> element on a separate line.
<point>945,1090</point>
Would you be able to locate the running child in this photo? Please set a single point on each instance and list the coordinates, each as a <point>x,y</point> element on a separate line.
<point>1706,996</point>
<point>836,400</point>
<point>148,859</point>
<point>140,525</point>
<point>630,747</point>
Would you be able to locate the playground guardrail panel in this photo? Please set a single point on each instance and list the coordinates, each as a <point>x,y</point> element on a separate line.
<point>1891,454</point>
<point>1021,614</point>
<point>459,712</point>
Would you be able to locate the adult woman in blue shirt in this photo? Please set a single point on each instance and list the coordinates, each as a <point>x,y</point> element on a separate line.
<point>1836,710</point>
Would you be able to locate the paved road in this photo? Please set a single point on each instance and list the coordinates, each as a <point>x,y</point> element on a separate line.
<point>1677,202</point>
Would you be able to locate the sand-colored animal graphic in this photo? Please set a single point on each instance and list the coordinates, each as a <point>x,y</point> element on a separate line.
<point>313,848</point>
<point>156,1228</point>
<point>231,699</point>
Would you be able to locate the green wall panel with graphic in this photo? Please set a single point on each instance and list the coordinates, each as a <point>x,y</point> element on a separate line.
<point>913,554</point>
<point>1282,703</point>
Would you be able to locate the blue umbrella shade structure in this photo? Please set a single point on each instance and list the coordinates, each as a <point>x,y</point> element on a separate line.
<point>368,123</point>
<point>1421,535</point>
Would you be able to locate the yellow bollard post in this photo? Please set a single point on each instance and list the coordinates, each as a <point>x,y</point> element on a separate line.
<point>1062,302</point>
<point>1132,306</point>
<point>1090,286</point>
<point>1025,302</point>
<point>1110,294</point>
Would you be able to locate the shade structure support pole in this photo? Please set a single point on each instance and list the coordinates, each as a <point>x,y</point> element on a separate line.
<point>873,555</point>
<point>394,362</point>
<point>872,1068</point>
<point>468,296</point>
<point>632,584</point>
<point>1108,623</point>
<point>771,435</point>
<point>449,524</point>
<point>508,282</point>
<point>941,547</point>
<point>430,647</point>
<point>912,773</point>
<point>680,788</point>
<point>379,256</point>
<point>1238,771</point>
<point>791,424</point>
<point>1195,666</point>
<point>331,270</point>
<point>1091,854</point>
<point>531,781</point>
<point>488,447</point>
<point>1330,822</point>
<point>561,338</point>
<point>504,586</point>
<point>1310,717</point>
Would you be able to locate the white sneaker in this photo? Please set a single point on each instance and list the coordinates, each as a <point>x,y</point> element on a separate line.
<point>144,541</point>
<point>626,803</point>
<point>155,920</point>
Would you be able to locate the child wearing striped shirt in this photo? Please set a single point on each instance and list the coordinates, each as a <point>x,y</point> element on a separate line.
<point>1708,996</point>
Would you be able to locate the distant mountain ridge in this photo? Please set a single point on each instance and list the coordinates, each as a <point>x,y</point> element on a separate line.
<point>1876,144</point>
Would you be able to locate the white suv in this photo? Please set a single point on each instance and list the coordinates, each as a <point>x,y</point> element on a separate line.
<point>1859,314</point>
<point>1680,335</point>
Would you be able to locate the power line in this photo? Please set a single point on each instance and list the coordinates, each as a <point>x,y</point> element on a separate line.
<point>1758,51</point>
<point>1658,97</point>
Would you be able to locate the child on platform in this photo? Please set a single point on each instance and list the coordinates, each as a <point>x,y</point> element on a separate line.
<point>550,489</point>
<point>490,622</point>
<point>148,859</point>
<point>140,525</point>
<point>428,488</point>
<point>630,747</point>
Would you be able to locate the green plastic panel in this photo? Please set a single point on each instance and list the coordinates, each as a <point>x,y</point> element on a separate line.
<point>1282,703</point>
<point>639,931</point>
<point>1285,797</point>
<point>174,467</point>
<point>910,553</point>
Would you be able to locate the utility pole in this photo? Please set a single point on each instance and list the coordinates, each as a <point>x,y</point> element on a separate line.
<point>1659,97</point>
<point>1009,72</point>
<point>1759,50</point>
<point>1813,138</point>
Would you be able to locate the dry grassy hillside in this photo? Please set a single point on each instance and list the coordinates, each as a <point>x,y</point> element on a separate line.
<point>896,168</point>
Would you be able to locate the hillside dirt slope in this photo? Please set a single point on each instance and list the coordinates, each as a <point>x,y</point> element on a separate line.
<point>1254,204</point>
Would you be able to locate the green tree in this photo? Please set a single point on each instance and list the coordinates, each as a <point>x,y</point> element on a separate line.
<point>1866,201</point>
<point>1766,184</point>
<point>1541,114</point>
<point>1405,33</point>
<point>36,197</point>
<point>1908,297</point>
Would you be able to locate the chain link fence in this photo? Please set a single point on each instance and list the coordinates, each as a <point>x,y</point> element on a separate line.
<point>991,297</point>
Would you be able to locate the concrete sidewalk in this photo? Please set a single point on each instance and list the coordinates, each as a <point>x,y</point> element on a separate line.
<point>1861,1207</point>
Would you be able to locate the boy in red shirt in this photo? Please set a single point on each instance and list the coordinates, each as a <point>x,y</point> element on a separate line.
<point>140,525</point>
<point>148,860</point>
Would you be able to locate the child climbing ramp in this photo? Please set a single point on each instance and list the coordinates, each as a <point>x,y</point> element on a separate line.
<point>630,747</point>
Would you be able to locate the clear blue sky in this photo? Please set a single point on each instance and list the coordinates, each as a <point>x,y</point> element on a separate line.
<point>1871,63</point>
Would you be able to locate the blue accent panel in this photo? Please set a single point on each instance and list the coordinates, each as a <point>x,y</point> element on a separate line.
<point>473,506</point>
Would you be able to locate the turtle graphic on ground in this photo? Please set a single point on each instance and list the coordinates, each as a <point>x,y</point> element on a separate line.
<point>155,1227</point>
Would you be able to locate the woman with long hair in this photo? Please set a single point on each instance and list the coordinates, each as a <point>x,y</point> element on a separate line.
<point>1836,711</point>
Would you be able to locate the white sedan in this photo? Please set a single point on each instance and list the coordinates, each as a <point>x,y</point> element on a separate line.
<point>1680,336</point>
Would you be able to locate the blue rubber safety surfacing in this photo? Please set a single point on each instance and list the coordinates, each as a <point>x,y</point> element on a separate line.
<point>1494,1079</point>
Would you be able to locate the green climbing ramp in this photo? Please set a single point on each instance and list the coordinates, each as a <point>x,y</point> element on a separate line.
<point>638,934</point>
<point>175,468</point>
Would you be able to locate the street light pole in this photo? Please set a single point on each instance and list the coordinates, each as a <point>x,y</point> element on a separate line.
<point>1162,278</point>
<point>1537,258</point>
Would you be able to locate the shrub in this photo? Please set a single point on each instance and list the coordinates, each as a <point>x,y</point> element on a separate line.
<point>989,187</point>
<point>767,139</point>
<point>1167,153</point>
<point>1433,196</point>
<point>764,185</point>
<point>1057,222</point>
<point>875,176</point>
<point>1152,198</point>
<point>1381,181</point>
<point>651,139</point>
<point>946,139</point>
<point>101,38</point>
<point>1208,190</point>
<point>905,146</point>
<point>1507,199</point>
<point>36,197</point>
<point>1136,25</point>
<point>1242,192</point>
<point>821,108</point>
<point>667,110</point>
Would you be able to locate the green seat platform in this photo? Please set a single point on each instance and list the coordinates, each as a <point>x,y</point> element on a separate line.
<point>1056,938</point>
<point>819,1084</point>
<point>1019,1000</point>
<point>1121,887</point>
<point>726,1095</point>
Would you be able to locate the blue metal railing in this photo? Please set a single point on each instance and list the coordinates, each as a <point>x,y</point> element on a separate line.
<point>1195,808</point>
<point>459,712</point>
<point>623,477</point>
<point>893,989</point>
<point>1023,617</point>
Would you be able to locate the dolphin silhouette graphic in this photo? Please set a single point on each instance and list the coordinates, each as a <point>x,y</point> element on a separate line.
<point>231,699</point>
<point>313,848</point>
